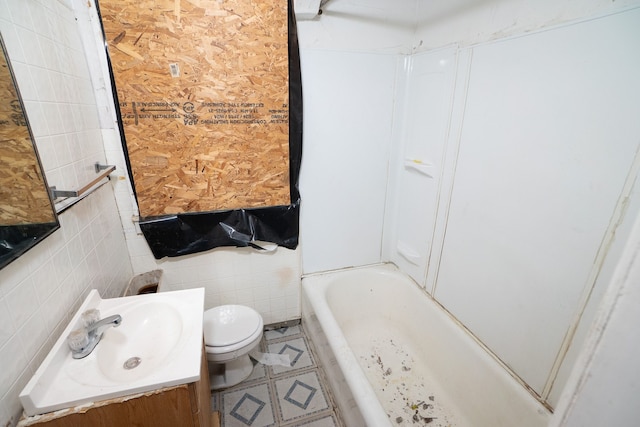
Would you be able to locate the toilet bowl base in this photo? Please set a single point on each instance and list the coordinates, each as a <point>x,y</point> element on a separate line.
<point>225,375</point>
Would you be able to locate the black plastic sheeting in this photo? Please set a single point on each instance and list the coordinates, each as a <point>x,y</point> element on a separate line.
<point>17,239</point>
<point>190,233</point>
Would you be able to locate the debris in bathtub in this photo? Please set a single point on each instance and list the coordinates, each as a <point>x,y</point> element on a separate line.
<point>416,406</point>
<point>423,417</point>
<point>398,379</point>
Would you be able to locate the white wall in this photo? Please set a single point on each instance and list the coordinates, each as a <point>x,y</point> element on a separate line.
<point>351,58</point>
<point>379,26</point>
<point>347,137</point>
<point>41,290</point>
<point>469,22</point>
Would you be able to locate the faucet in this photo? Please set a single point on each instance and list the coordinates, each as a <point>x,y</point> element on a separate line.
<point>83,341</point>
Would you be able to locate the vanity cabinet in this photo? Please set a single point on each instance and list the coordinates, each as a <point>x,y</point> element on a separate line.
<point>182,405</point>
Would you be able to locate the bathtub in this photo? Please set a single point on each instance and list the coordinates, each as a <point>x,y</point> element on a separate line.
<point>394,357</point>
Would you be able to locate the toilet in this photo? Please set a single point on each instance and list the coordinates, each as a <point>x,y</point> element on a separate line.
<point>230,333</point>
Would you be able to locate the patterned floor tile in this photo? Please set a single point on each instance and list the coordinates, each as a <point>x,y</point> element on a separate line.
<point>276,396</point>
<point>283,332</point>
<point>215,402</point>
<point>327,421</point>
<point>298,352</point>
<point>259,372</point>
<point>249,406</point>
<point>300,396</point>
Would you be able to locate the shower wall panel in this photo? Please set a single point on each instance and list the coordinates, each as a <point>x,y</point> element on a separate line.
<point>348,113</point>
<point>548,142</point>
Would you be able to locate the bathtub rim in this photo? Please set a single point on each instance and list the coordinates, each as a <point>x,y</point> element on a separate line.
<point>315,292</point>
<point>360,387</point>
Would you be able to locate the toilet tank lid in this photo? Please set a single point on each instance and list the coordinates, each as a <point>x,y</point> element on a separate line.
<point>229,324</point>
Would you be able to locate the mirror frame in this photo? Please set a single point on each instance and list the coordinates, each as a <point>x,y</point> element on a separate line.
<point>15,240</point>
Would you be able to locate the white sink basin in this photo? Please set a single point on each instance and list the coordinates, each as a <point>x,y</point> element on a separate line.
<point>152,331</point>
<point>159,341</point>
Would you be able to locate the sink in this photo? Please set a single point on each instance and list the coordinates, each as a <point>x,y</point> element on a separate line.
<point>158,344</point>
<point>154,333</point>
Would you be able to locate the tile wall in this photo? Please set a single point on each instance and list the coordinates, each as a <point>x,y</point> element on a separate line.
<point>267,282</point>
<point>41,290</point>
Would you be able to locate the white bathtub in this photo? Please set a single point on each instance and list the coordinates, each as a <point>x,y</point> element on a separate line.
<point>391,354</point>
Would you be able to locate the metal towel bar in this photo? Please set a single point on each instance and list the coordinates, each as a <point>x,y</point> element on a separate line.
<point>104,171</point>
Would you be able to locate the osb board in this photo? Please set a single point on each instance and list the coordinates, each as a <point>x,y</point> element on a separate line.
<point>203,87</point>
<point>23,195</point>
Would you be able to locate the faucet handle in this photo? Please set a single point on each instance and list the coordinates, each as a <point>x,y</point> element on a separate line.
<point>90,317</point>
<point>78,339</point>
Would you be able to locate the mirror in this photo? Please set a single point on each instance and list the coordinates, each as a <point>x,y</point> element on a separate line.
<point>27,214</point>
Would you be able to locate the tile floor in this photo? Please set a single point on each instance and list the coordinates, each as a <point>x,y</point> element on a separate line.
<point>277,395</point>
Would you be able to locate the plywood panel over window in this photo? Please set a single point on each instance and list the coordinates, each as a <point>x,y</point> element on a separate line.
<point>203,92</point>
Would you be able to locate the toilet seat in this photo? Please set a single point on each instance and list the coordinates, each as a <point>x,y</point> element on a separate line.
<point>228,328</point>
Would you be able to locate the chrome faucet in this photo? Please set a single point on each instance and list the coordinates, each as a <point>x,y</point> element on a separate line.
<point>83,341</point>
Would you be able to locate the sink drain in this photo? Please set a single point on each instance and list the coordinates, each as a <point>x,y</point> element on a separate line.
<point>132,363</point>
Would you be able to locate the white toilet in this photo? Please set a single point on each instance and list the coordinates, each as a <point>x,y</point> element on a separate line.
<point>230,333</point>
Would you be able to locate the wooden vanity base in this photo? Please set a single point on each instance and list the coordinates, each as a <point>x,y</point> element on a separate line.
<point>182,405</point>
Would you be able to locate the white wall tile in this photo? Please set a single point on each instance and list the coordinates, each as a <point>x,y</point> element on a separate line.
<point>43,279</point>
<point>32,52</point>
<point>4,9</point>
<point>62,264</point>
<point>69,125</point>
<point>49,53</point>
<point>52,117</point>
<point>27,86</point>
<point>22,301</point>
<point>11,40</point>
<point>39,20</point>
<point>14,363</point>
<point>40,254</point>
<point>43,288</point>
<point>32,334</point>
<point>46,151</point>
<point>36,118</point>
<point>11,400</point>
<point>61,150</point>
<point>20,14</point>
<point>7,327</point>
